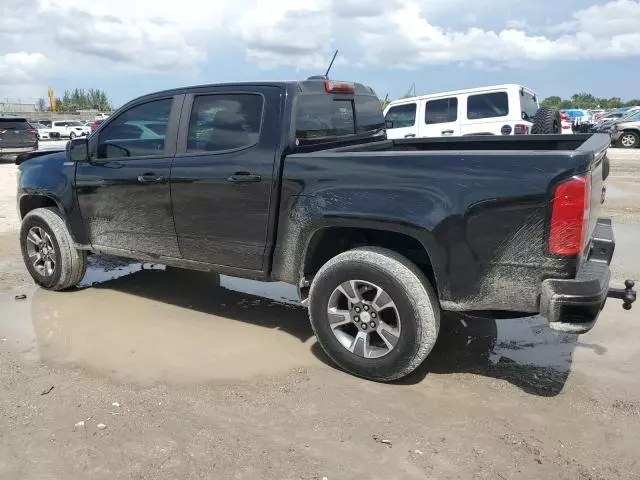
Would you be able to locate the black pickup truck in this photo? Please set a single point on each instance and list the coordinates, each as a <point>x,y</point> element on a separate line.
<point>296,182</point>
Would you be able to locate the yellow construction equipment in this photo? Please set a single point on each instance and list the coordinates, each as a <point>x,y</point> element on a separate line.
<point>52,99</point>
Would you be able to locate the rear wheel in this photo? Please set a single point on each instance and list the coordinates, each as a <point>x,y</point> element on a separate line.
<point>49,252</point>
<point>547,122</point>
<point>629,140</point>
<point>374,313</point>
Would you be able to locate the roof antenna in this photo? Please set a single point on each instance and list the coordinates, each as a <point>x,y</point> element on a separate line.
<point>326,75</point>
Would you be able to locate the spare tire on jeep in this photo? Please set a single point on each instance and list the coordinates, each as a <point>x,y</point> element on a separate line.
<point>547,122</point>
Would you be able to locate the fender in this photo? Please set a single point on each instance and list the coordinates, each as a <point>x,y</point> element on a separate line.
<point>46,177</point>
<point>302,217</point>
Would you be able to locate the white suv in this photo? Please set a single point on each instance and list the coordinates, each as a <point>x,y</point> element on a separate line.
<point>497,110</point>
<point>70,128</point>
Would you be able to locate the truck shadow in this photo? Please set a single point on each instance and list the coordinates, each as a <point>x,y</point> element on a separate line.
<point>523,351</point>
<point>536,360</point>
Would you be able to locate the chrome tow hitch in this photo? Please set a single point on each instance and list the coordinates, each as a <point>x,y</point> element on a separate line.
<point>627,294</point>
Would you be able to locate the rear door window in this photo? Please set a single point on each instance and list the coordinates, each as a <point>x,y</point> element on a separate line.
<point>444,110</point>
<point>402,116</point>
<point>487,105</point>
<point>224,122</point>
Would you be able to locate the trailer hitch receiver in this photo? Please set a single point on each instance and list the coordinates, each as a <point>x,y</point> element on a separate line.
<point>627,294</point>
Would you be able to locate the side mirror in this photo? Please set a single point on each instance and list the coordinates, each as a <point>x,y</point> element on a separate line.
<point>388,124</point>
<point>78,150</point>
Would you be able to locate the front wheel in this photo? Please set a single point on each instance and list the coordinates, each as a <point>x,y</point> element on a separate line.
<point>629,140</point>
<point>374,313</point>
<point>49,252</point>
<point>72,136</point>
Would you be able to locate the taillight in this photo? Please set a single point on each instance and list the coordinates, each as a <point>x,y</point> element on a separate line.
<point>520,129</point>
<point>570,216</point>
<point>2,131</point>
<point>331,86</point>
<point>564,117</point>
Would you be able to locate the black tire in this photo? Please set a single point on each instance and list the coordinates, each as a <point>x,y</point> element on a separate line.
<point>631,139</point>
<point>416,302</point>
<point>70,263</point>
<point>547,122</point>
<point>72,136</point>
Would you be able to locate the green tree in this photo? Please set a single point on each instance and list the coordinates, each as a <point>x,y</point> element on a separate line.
<point>587,101</point>
<point>553,102</point>
<point>81,99</point>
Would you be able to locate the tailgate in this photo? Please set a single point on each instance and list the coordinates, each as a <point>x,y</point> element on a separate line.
<point>598,145</point>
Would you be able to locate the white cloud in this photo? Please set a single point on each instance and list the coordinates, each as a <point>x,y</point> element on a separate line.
<point>21,67</point>
<point>410,39</point>
<point>295,33</point>
<point>172,37</point>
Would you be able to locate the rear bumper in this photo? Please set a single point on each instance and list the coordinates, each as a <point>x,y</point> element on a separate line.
<point>573,305</point>
<point>17,150</point>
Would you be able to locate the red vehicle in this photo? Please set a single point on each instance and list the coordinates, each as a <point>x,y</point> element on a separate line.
<point>95,125</point>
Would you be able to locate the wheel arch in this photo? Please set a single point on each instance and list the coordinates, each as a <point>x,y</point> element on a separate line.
<point>327,241</point>
<point>29,202</point>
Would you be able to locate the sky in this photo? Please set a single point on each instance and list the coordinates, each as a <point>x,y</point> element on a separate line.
<point>132,47</point>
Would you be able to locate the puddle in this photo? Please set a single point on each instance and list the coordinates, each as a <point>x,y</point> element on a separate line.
<point>149,324</point>
<point>145,323</point>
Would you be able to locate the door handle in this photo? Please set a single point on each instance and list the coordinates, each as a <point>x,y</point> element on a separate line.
<point>410,135</point>
<point>244,177</point>
<point>447,132</point>
<point>150,178</point>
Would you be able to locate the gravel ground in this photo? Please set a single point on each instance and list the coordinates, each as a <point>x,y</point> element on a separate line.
<point>156,373</point>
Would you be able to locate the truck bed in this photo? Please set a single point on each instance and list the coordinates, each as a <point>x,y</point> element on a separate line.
<point>475,204</point>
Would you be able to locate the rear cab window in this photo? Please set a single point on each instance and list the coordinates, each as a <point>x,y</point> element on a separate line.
<point>487,105</point>
<point>322,117</point>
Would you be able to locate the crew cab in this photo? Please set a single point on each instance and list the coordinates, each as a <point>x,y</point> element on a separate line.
<point>297,182</point>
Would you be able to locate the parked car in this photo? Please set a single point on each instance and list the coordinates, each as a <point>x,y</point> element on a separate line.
<point>496,110</point>
<point>70,128</point>
<point>95,125</point>
<point>296,182</point>
<point>609,126</point>
<point>101,116</point>
<point>567,125</point>
<point>17,136</point>
<point>577,116</point>
<point>626,134</point>
<point>617,114</point>
<point>44,132</point>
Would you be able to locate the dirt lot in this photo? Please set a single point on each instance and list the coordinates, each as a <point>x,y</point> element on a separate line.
<point>161,374</point>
